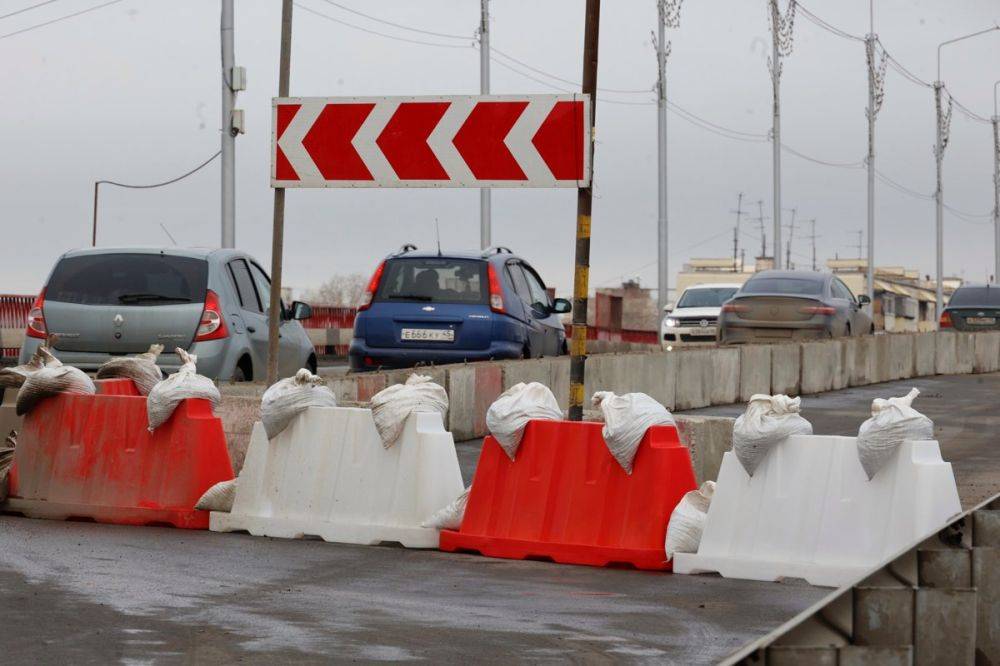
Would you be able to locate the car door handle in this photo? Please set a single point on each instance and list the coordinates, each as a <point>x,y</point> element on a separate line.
<point>251,329</point>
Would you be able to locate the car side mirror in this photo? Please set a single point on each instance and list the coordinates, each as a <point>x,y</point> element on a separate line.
<point>668,308</point>
<point>561,306</point>
<point>300,311</point>
<point>864,300</point>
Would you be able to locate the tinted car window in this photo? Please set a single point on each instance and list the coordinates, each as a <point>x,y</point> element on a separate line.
<point>128,279</point>
<point>973,296</point>
<point>538,293</point>
<point>706,298</point>
<point>520,282</point>
<point>790,286</point>
<point>433,280</point>
<point>840,290</point>
<point>244,286</point>
<point>263,285</point>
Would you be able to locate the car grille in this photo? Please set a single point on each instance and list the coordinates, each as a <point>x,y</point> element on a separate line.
<point>696,321</point>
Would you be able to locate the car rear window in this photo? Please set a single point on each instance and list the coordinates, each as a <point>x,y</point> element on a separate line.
<point>433,280</point>
<point>975,296</point>
<point>128,279</point>
<point>791,286</point>
<point>706,297</point>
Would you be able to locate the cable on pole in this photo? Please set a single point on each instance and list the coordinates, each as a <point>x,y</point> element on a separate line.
<point>59,19</point>
<point>395,25</point>
<point>828,26</point>
<point>470,39</point>
<point>27,9</point>
<point>166,182</point>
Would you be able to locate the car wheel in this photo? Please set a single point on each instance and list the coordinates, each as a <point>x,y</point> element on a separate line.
<point>243,372</point>
<point>239,375</point>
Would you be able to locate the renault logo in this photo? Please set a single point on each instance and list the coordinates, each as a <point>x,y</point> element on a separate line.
<point>119,320</point>
<point>428,308</point>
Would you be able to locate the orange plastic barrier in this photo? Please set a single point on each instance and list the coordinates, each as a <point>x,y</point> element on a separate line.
<point>566,499</point>
<point>92,458</point>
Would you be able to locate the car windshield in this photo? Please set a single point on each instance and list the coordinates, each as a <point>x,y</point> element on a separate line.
<point>433,280</point>
<point>128,280</point>
<point>712,297</point>
<point>783,285</point>
<point>975,296</point>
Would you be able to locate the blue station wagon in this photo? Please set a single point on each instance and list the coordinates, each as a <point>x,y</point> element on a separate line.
<point>433,308</point>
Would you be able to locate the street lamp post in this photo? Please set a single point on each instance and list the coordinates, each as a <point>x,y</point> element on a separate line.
<point>941,143</point>
<point>996,186</point>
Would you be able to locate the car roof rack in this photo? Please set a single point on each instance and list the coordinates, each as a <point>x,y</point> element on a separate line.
<point>408,247</point>
<point>496,249</point>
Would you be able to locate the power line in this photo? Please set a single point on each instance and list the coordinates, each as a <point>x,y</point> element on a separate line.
<point>840,165</point>
<point>381,34</point>
<point>900,69</point>
<point>28,9</point>
<point>575,84</point>
<point>971,115</point>
<point>826,25</point>
<point>58,20</point>
<point>396,25</point>
<point>166,182</point>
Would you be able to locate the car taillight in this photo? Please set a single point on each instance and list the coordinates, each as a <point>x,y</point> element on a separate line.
<point>817,310</point>
<point>945,320</point>
<point>36,319</point>
<point>735,307</point>
<point>212,325</point>
<point>369,295</point>
<point>496,291</point>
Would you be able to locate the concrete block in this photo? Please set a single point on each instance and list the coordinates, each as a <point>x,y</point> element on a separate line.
<point>755,370</point>
<point>708,438</point>
<point>345,388</point>
<point>472,389</point>
<point>880,359</point>
<point>924,354</point>
<point>526,371</point>
<point>786,369</point>
<point>901,355</point>
<point>945,350</point>
<point>861,353</point>
<point>369,384</point>
<point>965,353</point>
<point>317,337</point>
<point>820,361</point>
<point>695,372</point>
<point>652,374</point>
<point>987,351</point>
<point>559,380</point>
<point>725,382</point>
<point>841,371</point>
<point>11,338</point>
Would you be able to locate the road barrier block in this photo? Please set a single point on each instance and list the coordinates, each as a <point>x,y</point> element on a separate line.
<point>328,475</point>
<point>809,511</point>
<point>92,457</point>
<point>565,499</point>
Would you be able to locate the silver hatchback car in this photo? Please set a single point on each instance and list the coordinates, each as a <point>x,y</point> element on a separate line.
<point>101,303</point>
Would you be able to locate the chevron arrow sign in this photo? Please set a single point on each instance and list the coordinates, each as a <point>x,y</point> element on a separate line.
<point>454,141</point>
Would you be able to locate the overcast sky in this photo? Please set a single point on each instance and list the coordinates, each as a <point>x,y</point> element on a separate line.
<point>131,92</point>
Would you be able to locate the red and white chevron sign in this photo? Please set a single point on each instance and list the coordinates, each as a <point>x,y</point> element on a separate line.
<point>455,141</point>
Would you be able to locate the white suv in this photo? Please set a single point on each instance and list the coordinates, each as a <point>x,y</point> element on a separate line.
<point>695,318</point>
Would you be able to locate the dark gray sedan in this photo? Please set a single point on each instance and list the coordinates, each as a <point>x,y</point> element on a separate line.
<point>973,307</point>
<point>775,306</point>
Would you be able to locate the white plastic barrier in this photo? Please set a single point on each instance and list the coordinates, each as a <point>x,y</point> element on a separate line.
<point>809,511</point>
<point>328,475</point>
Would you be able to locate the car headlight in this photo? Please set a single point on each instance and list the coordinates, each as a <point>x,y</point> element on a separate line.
<point>670,322</point>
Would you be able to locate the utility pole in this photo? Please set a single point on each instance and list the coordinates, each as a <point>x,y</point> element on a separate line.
<point>876,90</point>
<point>736,230</point>
<point>861,241</point>
<point>274,313</point>
<point>584,205</point>
<point>760,222</point>
<point>485,204</point>
<point>781,38</point>
<point>813,237</point>
<point>791,235</point>
<point>668,12</point>
<point>996,185</point>
<point>228,137</point>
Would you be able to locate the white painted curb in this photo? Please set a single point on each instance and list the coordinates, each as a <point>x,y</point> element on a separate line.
<point>810,512</point>
<point>328,475</point>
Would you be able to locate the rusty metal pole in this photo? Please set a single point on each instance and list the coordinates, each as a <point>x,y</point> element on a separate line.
<point>584,201</point>
<point>274,312</point>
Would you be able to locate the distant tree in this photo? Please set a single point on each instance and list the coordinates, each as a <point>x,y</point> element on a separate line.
<point>339,290</point>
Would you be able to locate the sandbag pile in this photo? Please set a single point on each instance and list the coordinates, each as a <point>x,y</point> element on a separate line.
<point>510,413</point>
<point>391,406</point>
<point>15,377</point>
<point>52,379</point>
<point>687,521</point>
<point>450,517</point>
<point>219,497</point>
<point>893,421</point>
<point>184,384</point>
<point>141,369</point>
<point>626,420</point>
<point>767,421</point>
<point>288,398</point>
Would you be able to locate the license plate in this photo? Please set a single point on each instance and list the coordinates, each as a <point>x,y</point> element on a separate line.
<point>703,332</point>
<point>981,321</point>
<point>429,334</point>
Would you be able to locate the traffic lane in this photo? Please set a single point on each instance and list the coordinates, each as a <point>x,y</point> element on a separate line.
<point>89,593</point>
<point>964,409</point>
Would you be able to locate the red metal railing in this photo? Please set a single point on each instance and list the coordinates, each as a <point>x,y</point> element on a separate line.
<point>624,335</point>
<point>327,316</point>
<point>13,314</point>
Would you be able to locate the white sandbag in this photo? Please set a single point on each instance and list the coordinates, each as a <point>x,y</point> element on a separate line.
<point>767,421</point>
<point>288,398</point>
<point>50,381</point>
<point>6,460</point>
<point>892,422</point>
<point>219,497</point>
<point>626,420</point>
<point>183,384</point>
<point>16,376</point>
<point>687,521</point>
<point>450,517</point>
<point>391,406</point>
<point>510,413</point>
<point>141,369</point>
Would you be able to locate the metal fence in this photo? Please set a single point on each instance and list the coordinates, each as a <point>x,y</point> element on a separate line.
<point>13,314</point>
